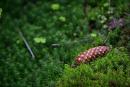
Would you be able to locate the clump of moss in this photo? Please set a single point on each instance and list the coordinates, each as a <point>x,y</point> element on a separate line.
<point>111,70</point>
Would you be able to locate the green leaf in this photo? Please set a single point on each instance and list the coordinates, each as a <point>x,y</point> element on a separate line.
<point>93,35</point>
<point>106,4</point>
<point>55,6</point>
<point>62,18</point>
<point>40,40</point>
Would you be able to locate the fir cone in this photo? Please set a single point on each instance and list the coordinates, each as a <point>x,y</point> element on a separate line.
<point>91,54</point>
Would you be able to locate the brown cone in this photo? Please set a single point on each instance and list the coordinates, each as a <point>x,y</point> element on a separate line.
<point>92,53</point>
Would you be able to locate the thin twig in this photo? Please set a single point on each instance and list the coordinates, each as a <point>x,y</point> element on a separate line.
<point>26,43</point>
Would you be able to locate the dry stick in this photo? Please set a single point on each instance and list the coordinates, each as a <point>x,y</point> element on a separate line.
<point>26,43</point>
<point>83,40</point>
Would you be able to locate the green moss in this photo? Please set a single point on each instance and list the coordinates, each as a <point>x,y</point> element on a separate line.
<point>111,70</point>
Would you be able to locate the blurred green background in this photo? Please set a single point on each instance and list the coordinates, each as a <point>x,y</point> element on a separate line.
<point>57,31</point>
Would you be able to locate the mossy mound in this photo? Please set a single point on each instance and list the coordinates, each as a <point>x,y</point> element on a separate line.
<point>109,71</point>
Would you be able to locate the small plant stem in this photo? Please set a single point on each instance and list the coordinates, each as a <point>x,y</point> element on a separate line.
<point>106,37</point>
